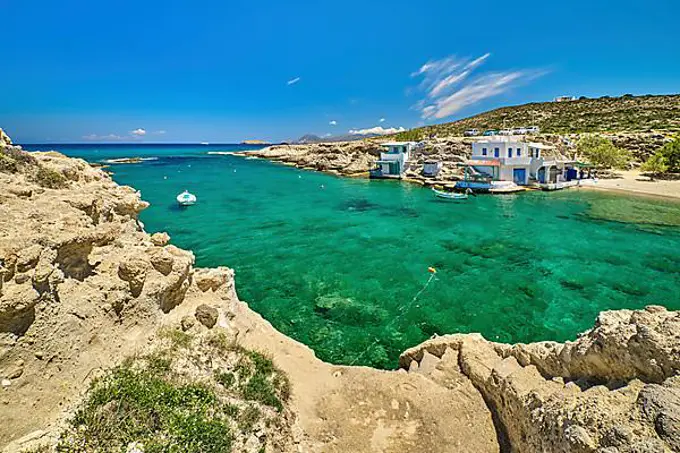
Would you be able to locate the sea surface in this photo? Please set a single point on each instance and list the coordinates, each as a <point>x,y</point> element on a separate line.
<point>342,264</point>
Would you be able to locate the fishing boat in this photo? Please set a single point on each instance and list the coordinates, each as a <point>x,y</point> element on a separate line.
<point>449,195</point>
<point>186,198</point>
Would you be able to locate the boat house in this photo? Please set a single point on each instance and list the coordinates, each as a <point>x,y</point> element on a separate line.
<point>394,160</point>
<point>511,160</point>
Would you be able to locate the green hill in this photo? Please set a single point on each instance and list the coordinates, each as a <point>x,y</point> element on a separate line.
<point>606,114</point>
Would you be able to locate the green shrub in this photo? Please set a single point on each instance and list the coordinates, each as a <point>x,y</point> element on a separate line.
<point>671,153</point>
<point>50,179</point>
<point>133,404</point>
<point>602,152</point>
<point>655,165</point>
<point>157,401</point>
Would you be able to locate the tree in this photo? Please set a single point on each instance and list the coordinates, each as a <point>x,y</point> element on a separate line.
<point>655,165</point>
<point>671,152</point>
<point>601,151</point>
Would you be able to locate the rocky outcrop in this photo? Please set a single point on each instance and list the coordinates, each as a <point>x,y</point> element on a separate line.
<point>615,389</point>
<point>83,286</point>
<point>4,139</point>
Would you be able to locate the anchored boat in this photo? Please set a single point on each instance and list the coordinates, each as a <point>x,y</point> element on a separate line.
<point>186,198</point>
<point>449,195</point>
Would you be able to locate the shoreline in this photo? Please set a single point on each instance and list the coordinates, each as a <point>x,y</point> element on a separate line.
<point>628,182</point>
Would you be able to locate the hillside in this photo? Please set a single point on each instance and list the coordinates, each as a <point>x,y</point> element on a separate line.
<point>606,114</point>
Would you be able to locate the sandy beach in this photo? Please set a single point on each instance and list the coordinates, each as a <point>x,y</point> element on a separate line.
<point>633,181</point>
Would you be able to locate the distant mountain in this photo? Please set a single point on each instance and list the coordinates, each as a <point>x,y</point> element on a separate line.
<point>605,114</point>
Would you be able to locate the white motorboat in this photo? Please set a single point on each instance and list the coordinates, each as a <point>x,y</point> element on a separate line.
<point>186,198</point>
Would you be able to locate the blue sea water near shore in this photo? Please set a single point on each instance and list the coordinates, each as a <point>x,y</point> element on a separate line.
<point>335,262</point>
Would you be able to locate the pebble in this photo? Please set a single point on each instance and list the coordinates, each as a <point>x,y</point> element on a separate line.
<point>6,383</point>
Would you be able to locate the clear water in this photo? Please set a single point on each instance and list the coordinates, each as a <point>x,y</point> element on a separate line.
<point>336,262</point>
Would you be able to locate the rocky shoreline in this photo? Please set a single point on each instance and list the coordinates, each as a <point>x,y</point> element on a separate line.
<point>83,286</point>
<point>355,159</point>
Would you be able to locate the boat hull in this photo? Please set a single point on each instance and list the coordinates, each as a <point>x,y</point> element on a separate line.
<point>449,195</point>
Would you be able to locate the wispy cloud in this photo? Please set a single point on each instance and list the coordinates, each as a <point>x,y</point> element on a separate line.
<point>293,81</point>
<point>160,132</point>
<point>103,138</point>
<point>449,84</point>
<point>333,123</point>
<point>382,120</point>
<point>377,130</point>
<point>138,132</point>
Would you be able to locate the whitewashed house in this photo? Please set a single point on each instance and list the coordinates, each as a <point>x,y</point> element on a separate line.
<point>508,158</point>
<point>394,161</point>
<point>499,161</point>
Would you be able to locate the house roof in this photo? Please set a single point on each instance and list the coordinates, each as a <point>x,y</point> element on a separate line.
<point>540,145</point>
<point>397,143</point>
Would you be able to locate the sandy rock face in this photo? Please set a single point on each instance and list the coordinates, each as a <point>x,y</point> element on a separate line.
<point>615,389</point>
<point>4,139</point>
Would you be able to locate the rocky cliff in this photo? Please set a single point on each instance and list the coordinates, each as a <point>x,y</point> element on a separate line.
<point>83,287</point>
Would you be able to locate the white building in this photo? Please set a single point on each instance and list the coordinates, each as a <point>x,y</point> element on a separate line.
<point>564,98</point>
<point>394,161</point>
<point>508,158</point>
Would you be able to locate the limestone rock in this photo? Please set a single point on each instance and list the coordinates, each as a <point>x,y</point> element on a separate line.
<point>207,315</point>
<point>212,279</point>
<point>4,139</point>
<point>160,239</point>
<point>187,322</point>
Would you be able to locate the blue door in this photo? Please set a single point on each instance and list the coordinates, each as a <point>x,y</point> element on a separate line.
<point>519,176</point>
<point>541,175</point>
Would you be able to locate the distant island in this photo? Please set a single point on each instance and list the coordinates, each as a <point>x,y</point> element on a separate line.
<point>255,142</point>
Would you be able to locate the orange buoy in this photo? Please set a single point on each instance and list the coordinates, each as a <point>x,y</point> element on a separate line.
<point>432,270</point>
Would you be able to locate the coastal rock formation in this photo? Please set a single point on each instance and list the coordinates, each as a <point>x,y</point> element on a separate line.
<point>615,389</point>
<point>4,139</point>
<point>83,286</point>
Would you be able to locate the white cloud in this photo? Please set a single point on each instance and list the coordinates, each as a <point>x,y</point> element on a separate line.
<point>333,123</point>
<point>377,130</point>
<point>293,81</point>
<point>160,132</point>
<point>139,132</point>
<point>328,135</point>
<point>449,84</point>
<point>382,120</point>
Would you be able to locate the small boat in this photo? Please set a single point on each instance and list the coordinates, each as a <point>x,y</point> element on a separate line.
<point>449,195</point>
<point>186,198</point>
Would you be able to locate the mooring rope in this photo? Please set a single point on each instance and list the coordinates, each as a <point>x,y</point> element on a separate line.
<point>403,310</point>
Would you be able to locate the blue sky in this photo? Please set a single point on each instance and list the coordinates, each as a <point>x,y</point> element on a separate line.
<point>219,71</point>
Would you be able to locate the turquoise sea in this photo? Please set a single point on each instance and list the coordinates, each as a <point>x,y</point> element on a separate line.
<point>336,263</point>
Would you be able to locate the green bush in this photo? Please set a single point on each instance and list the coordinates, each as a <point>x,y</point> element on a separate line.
<point>671,153</point>
<point>655,165</point>
<point>158,402</point>
<point>133,404</point>
<point>602,152</point>
<point>49,178</point>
